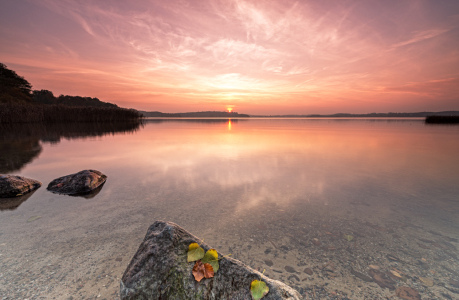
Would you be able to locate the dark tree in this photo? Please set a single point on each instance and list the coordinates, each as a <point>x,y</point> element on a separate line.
<point>13,88</point>
<point>44,97</point>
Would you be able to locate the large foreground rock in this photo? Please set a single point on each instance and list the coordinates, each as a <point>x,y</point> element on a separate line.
<point>79,183</point>
<point>14,186</point>
<point>159,270</point>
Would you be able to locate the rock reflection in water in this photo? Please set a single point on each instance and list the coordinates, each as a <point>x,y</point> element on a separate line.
<point>13,203</point>
<point>21,143</point>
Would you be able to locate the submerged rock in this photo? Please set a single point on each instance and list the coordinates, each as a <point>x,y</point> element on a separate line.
<point>15,186</point>
<point>159,270</point>
<point>79,183</point>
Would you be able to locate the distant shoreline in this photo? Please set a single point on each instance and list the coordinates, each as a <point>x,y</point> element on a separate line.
<point>219,114</point>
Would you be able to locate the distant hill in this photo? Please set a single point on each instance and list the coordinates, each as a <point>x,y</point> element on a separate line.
<point>201,114</point>
<point>372,115</point>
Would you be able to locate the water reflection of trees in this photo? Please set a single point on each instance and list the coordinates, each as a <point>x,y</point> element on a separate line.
<point>20,143</point>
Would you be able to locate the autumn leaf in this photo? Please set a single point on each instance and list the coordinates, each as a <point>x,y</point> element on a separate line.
<point>211,257</point>
<point>31,219</point>
<point>258,289</point>
<point>201,271</point>
<point>195,252</point>
<point>348,237</point>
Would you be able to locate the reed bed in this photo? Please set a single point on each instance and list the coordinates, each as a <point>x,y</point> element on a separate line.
<point>20,113</point>
<point>442,119</point>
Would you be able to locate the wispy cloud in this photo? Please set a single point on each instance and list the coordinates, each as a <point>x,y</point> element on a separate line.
<point>304,54</point>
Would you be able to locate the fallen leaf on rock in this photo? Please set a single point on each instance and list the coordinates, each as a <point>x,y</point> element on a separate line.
<point>258,289</point>
<point>407,293</point>
<point>211,257</point>
<point>195,252</point>
<point>31,219</point>
<point>348,237</point>
<point>426,281</point>
<point>201,271</point>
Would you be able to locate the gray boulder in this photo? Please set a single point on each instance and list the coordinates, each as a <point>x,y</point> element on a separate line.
<point>159,270</point>
<point>79,183</point>
<point>15,186</point>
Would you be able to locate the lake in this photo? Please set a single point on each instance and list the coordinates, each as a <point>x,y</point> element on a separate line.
<point>336,208</point>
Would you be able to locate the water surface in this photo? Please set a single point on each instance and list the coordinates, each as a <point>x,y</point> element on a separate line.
<point>274,193</point>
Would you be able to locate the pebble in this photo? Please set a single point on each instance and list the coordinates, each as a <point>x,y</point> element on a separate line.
<point>308,271</point>
<point>290,269</point>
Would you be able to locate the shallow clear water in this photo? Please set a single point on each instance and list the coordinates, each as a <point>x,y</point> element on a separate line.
<point>272,192</point>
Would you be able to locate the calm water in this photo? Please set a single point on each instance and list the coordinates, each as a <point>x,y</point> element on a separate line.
<point>275,193</point>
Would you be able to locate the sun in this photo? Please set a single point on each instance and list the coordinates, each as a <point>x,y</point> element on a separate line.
<point>229,109</point>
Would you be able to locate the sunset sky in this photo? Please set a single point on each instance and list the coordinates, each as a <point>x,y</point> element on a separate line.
<point>257,57</point>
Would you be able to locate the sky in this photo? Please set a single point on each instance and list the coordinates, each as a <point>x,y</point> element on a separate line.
<point>256,57</point>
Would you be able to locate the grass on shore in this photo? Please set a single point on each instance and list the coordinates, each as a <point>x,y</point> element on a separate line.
<point>26,113</point>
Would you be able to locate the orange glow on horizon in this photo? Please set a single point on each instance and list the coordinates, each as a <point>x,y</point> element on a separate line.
<point>264,57</point>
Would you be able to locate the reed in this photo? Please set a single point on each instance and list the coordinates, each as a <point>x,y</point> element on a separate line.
<point>29,113</point>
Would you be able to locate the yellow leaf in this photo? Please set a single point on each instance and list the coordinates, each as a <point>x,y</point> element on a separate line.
<point>258,289</point>
<point>194,252</point>
<point>348,237</point>
<point>31,219</point>
<point>211,257</point>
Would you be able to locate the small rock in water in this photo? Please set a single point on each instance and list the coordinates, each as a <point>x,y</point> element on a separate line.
<point>382,279</point>
<point>373,267</point>
<point>308,271</point>
<point>79,183</point>
<point>454,283</point>
<point>290,269</point>
<point>426,281</point>
<point>268,262</point>
<point>392,257</point>
<point>15,186</point>
<point>407,293</point>
<point>293,276</point>
<point>361,276</point>
<point>316,242</point>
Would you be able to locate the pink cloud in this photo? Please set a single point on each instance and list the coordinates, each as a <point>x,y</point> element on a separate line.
<point>308,56</point>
